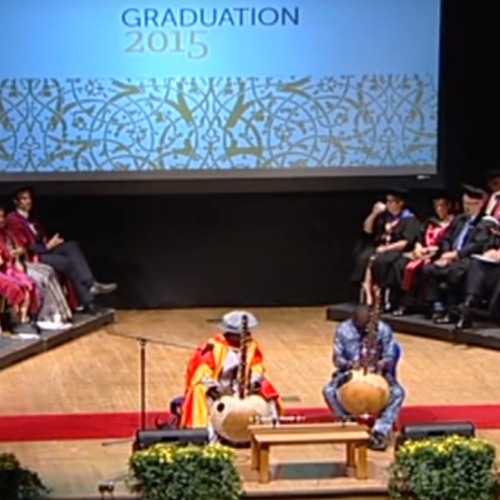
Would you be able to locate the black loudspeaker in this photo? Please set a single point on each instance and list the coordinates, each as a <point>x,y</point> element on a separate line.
<point>430,431</point>
<point>182,437</point>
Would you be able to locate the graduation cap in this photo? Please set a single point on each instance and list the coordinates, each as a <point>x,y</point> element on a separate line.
<point>473,192</point>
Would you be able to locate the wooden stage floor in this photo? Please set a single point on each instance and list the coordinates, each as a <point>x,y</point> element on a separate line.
<point>99,372</point>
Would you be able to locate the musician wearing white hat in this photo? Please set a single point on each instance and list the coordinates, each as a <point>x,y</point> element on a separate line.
<point>229,363</point>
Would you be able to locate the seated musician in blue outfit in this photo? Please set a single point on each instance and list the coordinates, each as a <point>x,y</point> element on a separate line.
<point>348,352</point>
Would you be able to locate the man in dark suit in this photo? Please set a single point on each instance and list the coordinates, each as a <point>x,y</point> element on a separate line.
<point>444,276</point>
<point>65,257</point>
<point>482,282</point>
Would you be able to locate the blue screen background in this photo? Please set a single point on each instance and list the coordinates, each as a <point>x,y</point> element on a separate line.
<point>353,84</point>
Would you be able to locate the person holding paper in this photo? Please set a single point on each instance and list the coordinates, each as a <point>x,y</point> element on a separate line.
<point>444,276</point>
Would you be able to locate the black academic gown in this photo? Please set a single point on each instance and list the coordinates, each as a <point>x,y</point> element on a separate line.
<point>483,279</point>
<point>384,269</point>
<point>446,283</point>
<point>405,229</point>
<point>403,259</point>
<point>409,299</point>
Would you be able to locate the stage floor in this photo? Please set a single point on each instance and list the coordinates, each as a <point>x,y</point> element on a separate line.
<point>14,350</point>
<point>74,469</point>
<point>99,372</point>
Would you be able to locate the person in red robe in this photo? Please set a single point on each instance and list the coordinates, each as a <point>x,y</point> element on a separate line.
<point>432,233</point>
<point>410,264</point>
<point>17,288</point>
<point>492,203</point>
<point>54,309</point>
<point>213,371</point>
<point>65,257</point>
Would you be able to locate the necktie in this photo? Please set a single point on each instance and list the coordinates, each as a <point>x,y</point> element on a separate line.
<point>460,239</point>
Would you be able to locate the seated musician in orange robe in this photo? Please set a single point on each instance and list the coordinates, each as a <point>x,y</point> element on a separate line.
<point>213,371</point>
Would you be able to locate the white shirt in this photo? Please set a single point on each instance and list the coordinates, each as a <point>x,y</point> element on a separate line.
<point>229,369</point>
<point>231,364</point>
<point>26,216</point>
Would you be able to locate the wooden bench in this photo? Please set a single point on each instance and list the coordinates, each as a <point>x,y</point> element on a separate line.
<point>355,437</point>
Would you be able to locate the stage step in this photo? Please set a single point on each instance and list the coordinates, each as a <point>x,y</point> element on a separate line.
<point>484,334</point>
<point>331,494</point>
<point>326,494</point>
<point>14,350</point>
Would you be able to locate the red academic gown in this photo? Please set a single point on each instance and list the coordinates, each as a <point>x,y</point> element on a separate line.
<point>28,237</point>
<point>495,211</point>
<point>208,361</point>
<point>15,283</point>
<point>24,234</point>
<point>432,236</point>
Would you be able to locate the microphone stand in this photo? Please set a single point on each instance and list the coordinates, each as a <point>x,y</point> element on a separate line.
<point>143,342</point>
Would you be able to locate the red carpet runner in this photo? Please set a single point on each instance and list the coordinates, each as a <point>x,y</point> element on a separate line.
<point>55,427</point>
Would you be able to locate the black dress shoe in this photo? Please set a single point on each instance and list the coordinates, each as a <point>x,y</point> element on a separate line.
<point>26,328</point>
<point>90,309</point>
<point>378,442</point>
<point>464,322</point>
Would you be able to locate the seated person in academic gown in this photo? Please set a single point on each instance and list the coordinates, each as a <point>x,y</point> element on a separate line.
<point>395,231</point>
<point>347,351</point>
<point>65,257</point>
<point>389,227</point>
<point>492,205</point>
<point>482,282</point>
<point>54,308</point>
<point>213,371</point>
<point>18,289</point>
<point>408,267</point>
<point>444,276</point>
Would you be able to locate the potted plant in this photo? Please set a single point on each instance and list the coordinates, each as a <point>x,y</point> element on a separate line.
<point>19,483</point>
<point>170,472</point>
<point>451,468</point>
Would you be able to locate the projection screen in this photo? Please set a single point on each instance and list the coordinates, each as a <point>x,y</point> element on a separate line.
<point>192,89</point>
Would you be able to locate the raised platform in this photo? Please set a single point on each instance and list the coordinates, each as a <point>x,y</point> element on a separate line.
<point>13,350</point>
<point>484,334</point>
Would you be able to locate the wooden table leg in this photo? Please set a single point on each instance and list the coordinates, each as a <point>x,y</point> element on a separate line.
<point>362,465</point>
<point>264,475</point>
<point>255,452</point>
<point>351,455</point>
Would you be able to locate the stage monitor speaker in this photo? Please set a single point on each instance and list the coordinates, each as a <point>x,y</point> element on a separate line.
<point>436,430</point>
<point>182,437</point>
